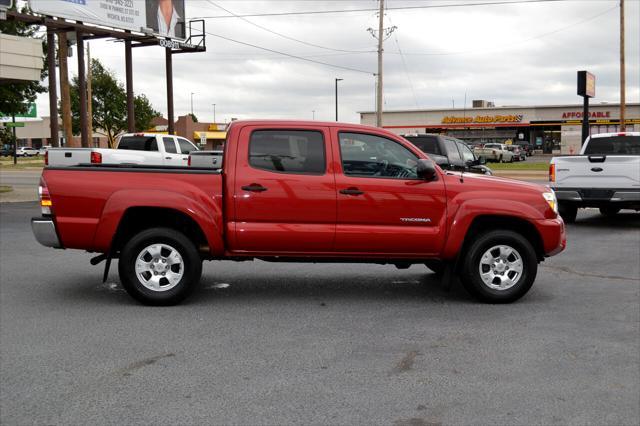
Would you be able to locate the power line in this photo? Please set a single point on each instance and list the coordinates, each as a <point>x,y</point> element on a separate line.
<point>406,69</point>
<point>434,6</point>
<point>289,55</point>
<point>284,35</point>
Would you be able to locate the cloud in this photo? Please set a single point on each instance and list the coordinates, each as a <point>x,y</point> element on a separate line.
<point>512,54</point>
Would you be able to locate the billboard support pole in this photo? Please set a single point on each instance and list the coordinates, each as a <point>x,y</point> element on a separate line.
<point>585,119</point>
<point>82,92</point>
<point>131,121</point>
<point>169,64</point>
<point>53,95</point>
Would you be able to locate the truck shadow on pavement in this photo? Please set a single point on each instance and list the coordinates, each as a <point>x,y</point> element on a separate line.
<point>624,219</point>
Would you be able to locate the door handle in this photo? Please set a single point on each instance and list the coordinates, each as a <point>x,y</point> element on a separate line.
<point>254,187</point>
<point>351,191</point>
<point>167,158</point>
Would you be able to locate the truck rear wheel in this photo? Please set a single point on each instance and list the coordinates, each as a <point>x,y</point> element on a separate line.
<point>159,266</point>
<point>568,212</point>
<point>609,211</point>
<point>499,267</point>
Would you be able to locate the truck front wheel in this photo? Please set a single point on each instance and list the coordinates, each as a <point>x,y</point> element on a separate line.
<point>499,267</point>
<point>159,266</point>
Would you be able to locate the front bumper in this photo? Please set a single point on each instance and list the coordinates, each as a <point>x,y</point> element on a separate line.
<point>45,232</point>
<point>554,236</point>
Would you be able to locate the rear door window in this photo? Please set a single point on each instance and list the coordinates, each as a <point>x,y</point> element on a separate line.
<point>426,144</point>
<point>614,145</point>
<point>452,150</point>
<point>186,146</point>
<point>138,143</point>
<point>288,151</point>
<point>170,145</point>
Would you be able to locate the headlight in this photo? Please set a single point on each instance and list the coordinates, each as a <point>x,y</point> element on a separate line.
<point>550,198</point>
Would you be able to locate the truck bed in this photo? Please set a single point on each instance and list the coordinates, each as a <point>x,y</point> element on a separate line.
<point>87,201</point>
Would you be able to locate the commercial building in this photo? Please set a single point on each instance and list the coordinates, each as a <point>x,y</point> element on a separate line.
<point>554,129</point>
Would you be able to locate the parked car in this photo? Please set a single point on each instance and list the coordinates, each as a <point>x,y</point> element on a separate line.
<point>27,151</point>
<point>495,152</point>
<point>449,153</point>
<point>518,154</point>
<point>151,149</point>
<point>43,149</point>
<point>6,152</point>
<point>526,147</point>
<point>301,192</point>
<point>605,175</point>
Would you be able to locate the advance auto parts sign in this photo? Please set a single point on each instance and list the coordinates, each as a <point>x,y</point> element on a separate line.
<point>513,118</point>
<point>164,18</point>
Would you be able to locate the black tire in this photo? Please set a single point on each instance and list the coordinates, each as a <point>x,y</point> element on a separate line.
<point>470,274</point>
<point>436,266</point>
<point>568,212</point>
<point>609,211</point>
<point>191,267</point>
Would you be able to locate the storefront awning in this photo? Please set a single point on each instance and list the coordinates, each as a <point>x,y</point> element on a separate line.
<point>210,135</point>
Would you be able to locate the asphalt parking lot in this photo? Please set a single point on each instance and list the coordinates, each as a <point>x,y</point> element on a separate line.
<point>264,343</point>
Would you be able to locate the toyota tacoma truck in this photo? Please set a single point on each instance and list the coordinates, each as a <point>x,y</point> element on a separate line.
<point>296,191</point>
<point>155,149</point>
<point>606,175</point>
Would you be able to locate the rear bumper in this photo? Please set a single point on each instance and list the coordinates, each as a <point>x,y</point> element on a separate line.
<point>595,197</point>
<point>45,232</point>
<point>553,234</point>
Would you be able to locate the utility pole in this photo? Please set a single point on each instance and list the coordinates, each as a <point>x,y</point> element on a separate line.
<point>380,44</point>
<point>65,96</point>
<point>337,80</point>
<point>89,97</point>
<point>214,113</point>
<point>381,35</point>
<point>191,104</point>
<point>622,70</point>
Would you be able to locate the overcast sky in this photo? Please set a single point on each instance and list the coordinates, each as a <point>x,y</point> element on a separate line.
<point>518,54</point>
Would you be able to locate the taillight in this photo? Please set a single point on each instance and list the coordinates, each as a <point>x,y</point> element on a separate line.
<point>552,172</point>
<point>46,158</point>
<point>45,198</point>
<point>96,158</point>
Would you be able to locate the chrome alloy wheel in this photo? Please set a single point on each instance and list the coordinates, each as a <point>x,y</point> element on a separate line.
<point>501,267</point>
<point>159,267</point>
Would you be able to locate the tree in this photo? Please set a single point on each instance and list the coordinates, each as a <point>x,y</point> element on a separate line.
<point>15,97</point>
<point>193,117</point>
<point>109,104</point>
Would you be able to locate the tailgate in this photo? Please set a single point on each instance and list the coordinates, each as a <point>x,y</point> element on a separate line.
<point>598,171</point>
<point>68,156</point>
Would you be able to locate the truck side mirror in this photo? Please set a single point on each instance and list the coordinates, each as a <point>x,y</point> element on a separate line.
<point>426,169</point>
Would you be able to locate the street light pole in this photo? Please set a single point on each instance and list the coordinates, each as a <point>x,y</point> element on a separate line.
<point>337,80</point>
<point>191,104</point>
<point>214,113</point>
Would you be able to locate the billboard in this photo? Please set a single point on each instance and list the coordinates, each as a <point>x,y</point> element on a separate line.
<point>164,18</point>
<point>586,84</point>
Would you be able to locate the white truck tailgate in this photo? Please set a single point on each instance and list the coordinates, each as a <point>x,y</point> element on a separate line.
<point>68,156</point>
<point>598,171</point>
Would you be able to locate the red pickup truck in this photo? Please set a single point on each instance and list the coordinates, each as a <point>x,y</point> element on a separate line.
<point>301,192</point>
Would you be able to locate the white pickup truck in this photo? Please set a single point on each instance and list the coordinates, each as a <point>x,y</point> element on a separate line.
<point>153,149</point>
<point>605,175</point>
<point>495,152</point>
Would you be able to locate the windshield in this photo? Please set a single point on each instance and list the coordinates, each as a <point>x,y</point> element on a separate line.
<point>614,145</point>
